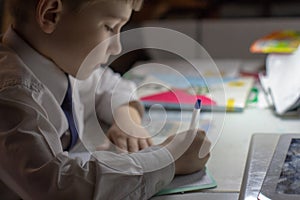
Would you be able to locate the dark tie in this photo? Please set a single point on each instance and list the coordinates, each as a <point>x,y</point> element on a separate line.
<point>68,110</point>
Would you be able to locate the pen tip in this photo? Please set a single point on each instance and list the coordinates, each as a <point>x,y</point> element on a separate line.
<point>198,104</point>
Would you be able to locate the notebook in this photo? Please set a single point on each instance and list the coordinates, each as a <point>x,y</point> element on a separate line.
<point>185,183</point>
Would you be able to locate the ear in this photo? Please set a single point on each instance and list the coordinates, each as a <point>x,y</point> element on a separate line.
<point>48,14</point>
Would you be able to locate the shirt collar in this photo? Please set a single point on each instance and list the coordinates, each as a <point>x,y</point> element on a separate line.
<point>44,69</point>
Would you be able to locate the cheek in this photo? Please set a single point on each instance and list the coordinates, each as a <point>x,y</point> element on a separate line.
<point>99,51</point>
<point>96,55</point>
<point>93,51</point>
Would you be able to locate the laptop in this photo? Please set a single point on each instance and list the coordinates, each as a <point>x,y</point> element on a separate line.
<point>282,180</point>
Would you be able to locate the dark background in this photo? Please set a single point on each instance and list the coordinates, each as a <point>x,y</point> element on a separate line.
<point>200,9</point>
<point>160,10</point>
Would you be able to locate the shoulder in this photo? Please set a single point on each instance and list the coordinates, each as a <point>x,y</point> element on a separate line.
<point>13,72</point>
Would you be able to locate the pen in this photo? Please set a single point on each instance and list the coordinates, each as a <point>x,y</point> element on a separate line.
<point>196,112</point>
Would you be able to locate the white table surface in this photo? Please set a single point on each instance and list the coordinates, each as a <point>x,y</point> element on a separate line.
<point>228,158</point>
<point>229,155</point>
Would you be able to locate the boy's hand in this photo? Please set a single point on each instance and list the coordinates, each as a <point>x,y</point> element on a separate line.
<point>189,149</point>
<point>134,141</point>
<point>127,133</point>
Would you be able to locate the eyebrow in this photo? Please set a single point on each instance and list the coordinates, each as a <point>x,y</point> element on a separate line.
<point>119,17</point>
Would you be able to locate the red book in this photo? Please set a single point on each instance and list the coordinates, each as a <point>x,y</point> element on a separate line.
<point>177,98</point>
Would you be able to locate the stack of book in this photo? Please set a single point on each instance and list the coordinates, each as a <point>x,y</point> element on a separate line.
<point>178,88</point>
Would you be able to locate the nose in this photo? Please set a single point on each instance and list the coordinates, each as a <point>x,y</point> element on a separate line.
<point>115,46</point>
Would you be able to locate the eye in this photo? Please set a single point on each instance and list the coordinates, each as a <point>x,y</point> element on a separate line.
<point>108,28</point>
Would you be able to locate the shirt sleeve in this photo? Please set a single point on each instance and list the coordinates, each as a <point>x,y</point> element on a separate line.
<point>34,166</point>
<point>112,92</point>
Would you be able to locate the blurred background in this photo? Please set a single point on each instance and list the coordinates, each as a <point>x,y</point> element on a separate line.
<point>225,28</point>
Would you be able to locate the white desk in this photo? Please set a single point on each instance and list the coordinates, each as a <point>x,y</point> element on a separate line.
<point>228,157</point>
<point>230,154</point>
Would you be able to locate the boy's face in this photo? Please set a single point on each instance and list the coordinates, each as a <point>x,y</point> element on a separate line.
<point>77,34</point>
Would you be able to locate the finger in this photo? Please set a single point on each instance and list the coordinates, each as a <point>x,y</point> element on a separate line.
<point>143,143</point>
<point>121,143</point>
<point>205,148</point>
<point>204,160</point>
<point>201,133</point>
<point>132,145</point>
<point>149,141</point>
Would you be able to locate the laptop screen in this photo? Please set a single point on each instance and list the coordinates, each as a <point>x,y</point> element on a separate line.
<point>289,181</point>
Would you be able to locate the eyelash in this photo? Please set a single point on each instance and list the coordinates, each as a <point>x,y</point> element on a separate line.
<point>108,28</point>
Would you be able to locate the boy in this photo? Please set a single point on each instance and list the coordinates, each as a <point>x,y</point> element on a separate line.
<point>40,55</point>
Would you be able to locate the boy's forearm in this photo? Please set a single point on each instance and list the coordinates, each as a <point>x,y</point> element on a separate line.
<point>132,111</point>
<point>137,106</point>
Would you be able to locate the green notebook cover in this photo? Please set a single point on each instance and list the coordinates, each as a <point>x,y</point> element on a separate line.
<point>184,183</point>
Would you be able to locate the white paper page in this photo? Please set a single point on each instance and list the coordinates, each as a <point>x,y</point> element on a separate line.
<point>283,74</point>
<point>150,86</point>
<point>265,87</point>
<point>191,180</point>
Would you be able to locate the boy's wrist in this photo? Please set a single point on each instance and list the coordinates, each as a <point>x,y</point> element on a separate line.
<point>128,114</point>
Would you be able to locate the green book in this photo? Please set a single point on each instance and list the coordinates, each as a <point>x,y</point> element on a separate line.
<point>185,183</point>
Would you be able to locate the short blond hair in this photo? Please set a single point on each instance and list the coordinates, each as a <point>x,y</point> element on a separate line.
<point>20,10</point>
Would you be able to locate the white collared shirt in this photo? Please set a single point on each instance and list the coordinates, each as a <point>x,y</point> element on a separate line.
<point>33,164</point>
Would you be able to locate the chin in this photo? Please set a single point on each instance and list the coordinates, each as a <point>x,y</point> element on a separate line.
<point>82,76</point>
<point>87,68</point>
